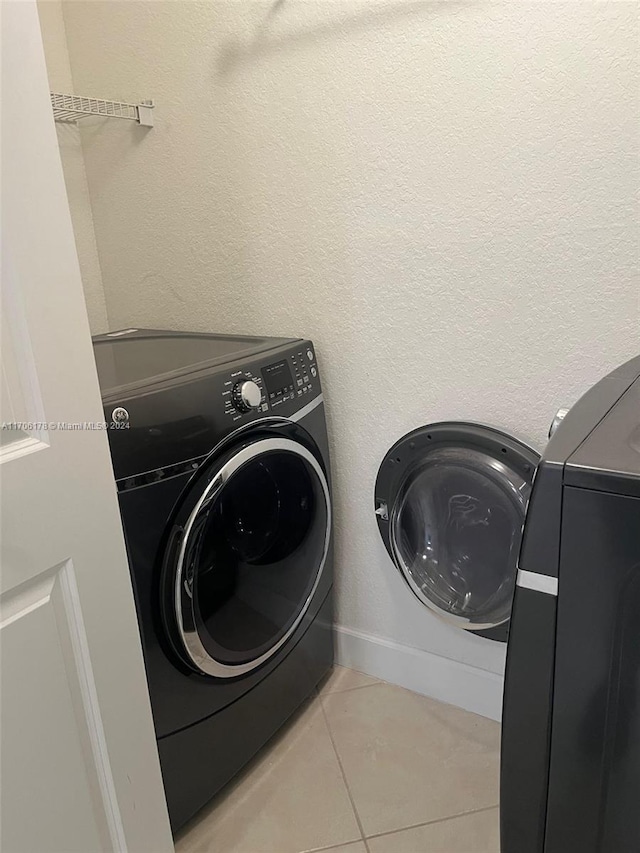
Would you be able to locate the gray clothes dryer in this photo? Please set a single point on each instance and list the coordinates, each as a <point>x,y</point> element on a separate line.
<point>570,772</point>
<point>450,503</point>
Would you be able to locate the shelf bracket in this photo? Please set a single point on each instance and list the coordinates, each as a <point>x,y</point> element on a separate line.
<point>72,108</point>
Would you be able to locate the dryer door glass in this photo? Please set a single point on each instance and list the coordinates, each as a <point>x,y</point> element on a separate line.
<point>455,531</point>
<point>254,550</point>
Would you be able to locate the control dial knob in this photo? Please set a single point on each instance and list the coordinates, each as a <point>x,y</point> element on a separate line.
<point>247,395</point>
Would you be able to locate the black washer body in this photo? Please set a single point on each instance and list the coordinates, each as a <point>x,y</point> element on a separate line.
<point>184,428</point>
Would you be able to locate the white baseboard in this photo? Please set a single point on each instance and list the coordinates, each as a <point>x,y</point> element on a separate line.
<point>450,681</point>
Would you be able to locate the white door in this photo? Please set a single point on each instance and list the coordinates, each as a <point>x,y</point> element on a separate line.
<point>78,759</point>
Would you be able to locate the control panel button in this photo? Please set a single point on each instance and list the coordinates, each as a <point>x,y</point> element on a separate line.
<point>247,395</point>
<point>310,354</point>
<point>314,372</point>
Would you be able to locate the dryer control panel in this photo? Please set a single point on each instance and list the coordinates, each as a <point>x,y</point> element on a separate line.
<point>271,385</point>
<point>291,377</point>
<point>178,421</point>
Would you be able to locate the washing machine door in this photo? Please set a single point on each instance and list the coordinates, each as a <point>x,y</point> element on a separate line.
<point>246,555</point>
<point>450,502</point>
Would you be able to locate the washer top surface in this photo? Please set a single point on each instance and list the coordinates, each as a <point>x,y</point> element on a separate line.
<point>133,358</point>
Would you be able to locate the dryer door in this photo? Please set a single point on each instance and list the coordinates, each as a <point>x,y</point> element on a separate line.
<point>246,555</point>
<point>450,503</point>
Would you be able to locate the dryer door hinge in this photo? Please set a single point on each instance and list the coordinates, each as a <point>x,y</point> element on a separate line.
<point>382,511</point>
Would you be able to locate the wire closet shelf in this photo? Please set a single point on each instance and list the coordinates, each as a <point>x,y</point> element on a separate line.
<point>71,108</point>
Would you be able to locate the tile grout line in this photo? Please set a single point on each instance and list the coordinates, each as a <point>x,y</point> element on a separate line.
<point>432,822</point>
<point>349,689</point>
<point>344,775</point>
<point>337,846</point>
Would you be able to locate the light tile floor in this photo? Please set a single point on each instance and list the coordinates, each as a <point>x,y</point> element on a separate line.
<point>363,767</point>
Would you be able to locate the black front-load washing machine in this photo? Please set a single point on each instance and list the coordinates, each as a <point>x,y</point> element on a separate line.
<point>220,455</point>
<point>450,502</point>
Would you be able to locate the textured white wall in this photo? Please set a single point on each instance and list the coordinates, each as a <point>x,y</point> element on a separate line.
<point>59,71</point>
<point>441,195</point>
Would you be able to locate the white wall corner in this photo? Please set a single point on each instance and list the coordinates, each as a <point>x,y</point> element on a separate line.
<point>450,681</point>
<point>54,38</point>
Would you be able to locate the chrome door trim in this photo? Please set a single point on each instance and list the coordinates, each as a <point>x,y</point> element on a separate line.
<point>537,582</point>
<point>304,411</point>
<point>183,592</point>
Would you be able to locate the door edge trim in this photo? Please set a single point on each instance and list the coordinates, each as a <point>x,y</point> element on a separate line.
<point>537,582</point>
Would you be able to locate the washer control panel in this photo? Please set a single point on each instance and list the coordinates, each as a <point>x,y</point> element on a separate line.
<point>271,385</point>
